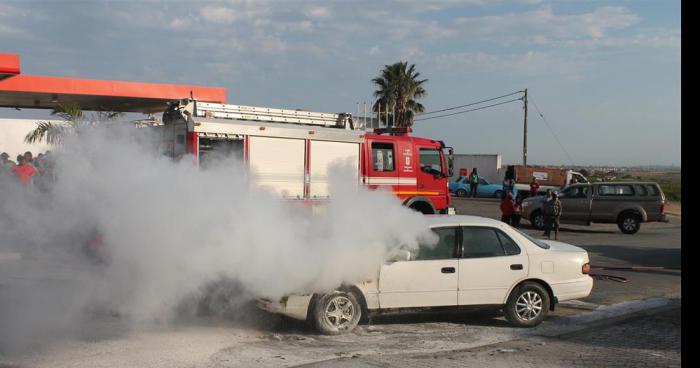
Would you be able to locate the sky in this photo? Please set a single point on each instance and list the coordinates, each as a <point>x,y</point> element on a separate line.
<point>604,74</point>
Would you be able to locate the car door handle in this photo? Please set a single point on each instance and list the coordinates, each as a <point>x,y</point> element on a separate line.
<point>516,267</point>
<point>448,270</point>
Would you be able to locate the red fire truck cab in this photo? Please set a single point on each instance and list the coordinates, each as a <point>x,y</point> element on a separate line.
<point>290,152</point>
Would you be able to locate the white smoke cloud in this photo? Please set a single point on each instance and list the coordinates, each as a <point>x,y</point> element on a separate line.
<point>169,228</point>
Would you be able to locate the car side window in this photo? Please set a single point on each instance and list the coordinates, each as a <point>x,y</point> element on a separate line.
<point>568,192</point>
<point>480,242</point>
<point>615,190</point>
<point>653,189</point>
<point>640,190</point>
<point>508,244</point>
<point>444,249</point>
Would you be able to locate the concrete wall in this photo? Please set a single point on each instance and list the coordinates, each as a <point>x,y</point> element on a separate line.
<point>12,132</point>
<point>488,166</point>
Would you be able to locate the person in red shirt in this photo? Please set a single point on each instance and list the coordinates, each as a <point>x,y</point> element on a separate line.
<point>534,187</point>
<point>507,207</point>
<point>24,171</point>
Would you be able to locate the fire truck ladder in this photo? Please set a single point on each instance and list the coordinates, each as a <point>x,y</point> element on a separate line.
<point>239,112</point>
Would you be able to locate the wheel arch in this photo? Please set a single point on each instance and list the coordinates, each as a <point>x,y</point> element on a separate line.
<point>421,204</point>
<point>636,210</point>
<point>544,284</point>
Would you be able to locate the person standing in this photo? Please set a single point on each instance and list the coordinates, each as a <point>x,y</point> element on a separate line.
<point>508,184</point>
<point>24,171</point>
<point>473,183</point>
<point>552,212</point>
<point>507,208</point>
<point>534,187</point>
<point>517,213</point>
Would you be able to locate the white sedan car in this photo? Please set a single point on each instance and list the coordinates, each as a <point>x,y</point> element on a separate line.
<point>477,262</point>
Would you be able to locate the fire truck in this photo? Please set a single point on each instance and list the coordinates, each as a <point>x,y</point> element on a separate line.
<point>290,151</point>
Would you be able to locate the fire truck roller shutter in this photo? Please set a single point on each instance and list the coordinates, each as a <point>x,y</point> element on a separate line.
<point>278,164</point>
<point>323,155</point>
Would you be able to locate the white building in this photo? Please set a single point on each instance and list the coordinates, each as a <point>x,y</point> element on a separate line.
<point>12,133</point>
<point>489,166</point>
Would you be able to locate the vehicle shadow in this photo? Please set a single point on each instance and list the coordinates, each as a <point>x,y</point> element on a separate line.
<point>485,319</point>
<point>637,256</point>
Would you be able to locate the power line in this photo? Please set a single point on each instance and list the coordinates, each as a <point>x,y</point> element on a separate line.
<point>552,131</point>
<point>470,104</point>
<point>470,110</point>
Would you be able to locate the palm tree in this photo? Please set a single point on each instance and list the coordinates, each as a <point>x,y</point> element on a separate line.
<point>398,87</point>
<point>73,120</point>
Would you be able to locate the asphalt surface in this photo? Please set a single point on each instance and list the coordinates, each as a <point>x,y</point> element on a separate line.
<point>645,341</point>
<point>565,338</point>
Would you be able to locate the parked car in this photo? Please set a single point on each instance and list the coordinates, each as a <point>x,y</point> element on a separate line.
<point>461,188</point>
<point>628,204</point>
<point>477,262</point>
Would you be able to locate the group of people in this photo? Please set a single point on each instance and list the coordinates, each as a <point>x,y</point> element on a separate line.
<point>28,170</point>
<point>511,209</point>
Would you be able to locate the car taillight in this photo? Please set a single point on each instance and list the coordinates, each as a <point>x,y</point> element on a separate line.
<point>663,206</point>
<point>586,268</point>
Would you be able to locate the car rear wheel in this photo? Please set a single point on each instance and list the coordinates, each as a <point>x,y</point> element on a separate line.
<point>337,313</point>
<point>498,194</point>
<point>629,223</point>
<point>537,220</point>
<point>461,193</point>
<point>527,305</point>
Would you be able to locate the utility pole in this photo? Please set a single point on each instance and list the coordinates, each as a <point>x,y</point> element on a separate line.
<point>525,129</point>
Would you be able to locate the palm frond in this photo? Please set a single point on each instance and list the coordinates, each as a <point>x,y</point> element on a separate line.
<point>46,130</point>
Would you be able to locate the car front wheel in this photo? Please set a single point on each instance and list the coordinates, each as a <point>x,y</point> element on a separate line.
<point>498,194</point>
<point>337,313</point>
<point>527,305</point>
<point>461,193</point>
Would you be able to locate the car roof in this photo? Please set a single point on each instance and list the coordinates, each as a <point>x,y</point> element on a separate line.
<point>461,220</point>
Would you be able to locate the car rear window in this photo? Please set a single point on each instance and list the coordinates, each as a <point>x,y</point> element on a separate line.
<point>615,190</point>
<point>537,242</point>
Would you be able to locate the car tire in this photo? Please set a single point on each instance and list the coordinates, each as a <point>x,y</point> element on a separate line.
<point>497,194</point>
<point>527,305</point>
<point>537,220</point>
<point>336,313</point>
<point>629,223</point>
<point>461,193</point>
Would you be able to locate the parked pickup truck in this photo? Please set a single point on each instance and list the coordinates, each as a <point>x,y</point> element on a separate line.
<point>627,204</point>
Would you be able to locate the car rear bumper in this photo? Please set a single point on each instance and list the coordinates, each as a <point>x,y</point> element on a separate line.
<point>576,289</point>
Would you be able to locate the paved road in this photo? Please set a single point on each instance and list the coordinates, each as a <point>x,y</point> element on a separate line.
<point>642,342</point>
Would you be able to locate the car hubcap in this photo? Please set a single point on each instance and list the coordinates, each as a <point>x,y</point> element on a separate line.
<point>528,306</point>
<point>539,221</point>
<point>340,312</point>
<point>628,224</point>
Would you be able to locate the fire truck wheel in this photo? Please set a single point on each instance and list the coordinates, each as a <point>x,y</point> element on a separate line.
<point>337,313</point>
<point>461,193</point>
